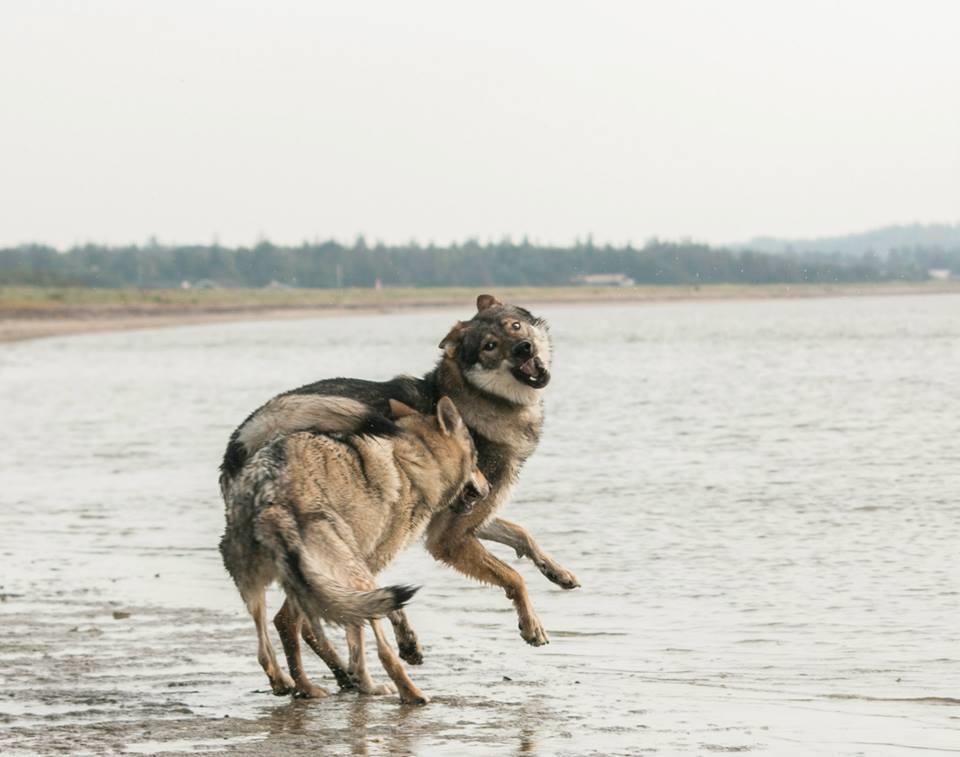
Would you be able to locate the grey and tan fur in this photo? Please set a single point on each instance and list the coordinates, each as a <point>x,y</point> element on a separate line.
<point>495,367</point>
<point>324,513</point>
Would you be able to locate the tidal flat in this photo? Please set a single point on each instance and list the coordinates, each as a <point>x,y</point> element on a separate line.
<point>760,497</point>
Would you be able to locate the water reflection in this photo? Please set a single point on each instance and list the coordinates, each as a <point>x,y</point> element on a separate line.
<point>373,726</point>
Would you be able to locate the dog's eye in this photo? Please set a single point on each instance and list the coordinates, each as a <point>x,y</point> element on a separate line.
<point>490,346</point>
<point>515,325</point>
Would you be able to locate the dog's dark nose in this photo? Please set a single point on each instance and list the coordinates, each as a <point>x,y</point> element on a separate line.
<point>522,350</point>
<point>469,496</point>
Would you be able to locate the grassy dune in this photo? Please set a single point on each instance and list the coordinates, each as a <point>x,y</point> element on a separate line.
<point>53,301</point>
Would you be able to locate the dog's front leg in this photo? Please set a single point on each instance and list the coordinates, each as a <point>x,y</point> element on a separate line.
<point>317,641</point>
<point>504,532</point>
<point>409,693</point>
<point>357,667</point>
<point>463,551</point>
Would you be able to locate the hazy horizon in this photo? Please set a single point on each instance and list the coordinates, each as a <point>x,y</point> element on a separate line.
<point>761,241</point>
<point>299,121</point>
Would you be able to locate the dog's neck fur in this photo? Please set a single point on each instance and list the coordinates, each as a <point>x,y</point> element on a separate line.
<point>497,420</point>
<point>413,455</point>
<point>505,433</point>
<point>425,487</point>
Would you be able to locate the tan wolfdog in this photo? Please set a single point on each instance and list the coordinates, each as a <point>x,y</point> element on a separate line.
<point>324,513</point>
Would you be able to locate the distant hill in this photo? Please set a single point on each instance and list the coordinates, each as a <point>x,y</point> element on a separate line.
<point>883,241</point>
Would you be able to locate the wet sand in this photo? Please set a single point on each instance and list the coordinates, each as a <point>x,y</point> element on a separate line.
<point>180,681</point>
<point>759,499</point>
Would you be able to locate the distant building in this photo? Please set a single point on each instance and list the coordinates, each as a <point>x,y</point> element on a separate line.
<point>603,280</point>
<point>941,274</point>
<point>277,285</point>
<point>200,284</point>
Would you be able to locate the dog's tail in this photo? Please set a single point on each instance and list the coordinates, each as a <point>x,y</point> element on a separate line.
<point>310,583</point>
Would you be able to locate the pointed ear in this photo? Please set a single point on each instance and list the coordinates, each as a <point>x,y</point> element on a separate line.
<point>451,340</point>
<point>448,416</point>
<point>485,301</point>
<point>399,410</point>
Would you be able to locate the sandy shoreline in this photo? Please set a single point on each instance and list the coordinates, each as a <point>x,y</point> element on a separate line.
<point>37,326</point>
<point>42,318</point>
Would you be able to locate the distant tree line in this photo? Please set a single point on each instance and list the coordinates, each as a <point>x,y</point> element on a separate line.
<point>331,264</point>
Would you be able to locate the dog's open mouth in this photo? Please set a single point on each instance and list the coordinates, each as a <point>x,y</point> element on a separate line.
<point>532,373</point>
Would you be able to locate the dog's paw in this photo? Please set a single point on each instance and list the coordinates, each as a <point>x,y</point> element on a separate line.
<point>532,632</point>
<point>410,652</point>
<point>414,697</point>
<point>560,576</point>
<point>565,580</point>
<point>379,690</point>
<point>307,690</point>
<point>282,684</point>
<point>345,680</point>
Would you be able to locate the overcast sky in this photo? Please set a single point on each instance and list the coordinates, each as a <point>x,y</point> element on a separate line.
<point>441,120</point>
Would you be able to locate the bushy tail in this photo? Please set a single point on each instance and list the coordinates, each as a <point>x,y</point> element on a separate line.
<point>311,586</point>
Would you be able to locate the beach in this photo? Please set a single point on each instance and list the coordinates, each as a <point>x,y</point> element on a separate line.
<point>758,497</point>
<point>37,312</point>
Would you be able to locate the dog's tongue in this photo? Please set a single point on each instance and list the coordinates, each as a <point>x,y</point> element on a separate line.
<point>529,368</point>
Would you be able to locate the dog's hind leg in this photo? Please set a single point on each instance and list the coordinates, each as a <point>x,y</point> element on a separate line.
<point>407,641</point>
<point>317,641</point>
<point>358,664</point>
<point>504,532</point>
<point>409,693</point>
<point>280,682</point>
<point>288,622</point>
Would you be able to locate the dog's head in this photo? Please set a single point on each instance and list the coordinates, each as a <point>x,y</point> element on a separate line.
<point>452,447</point>
<point>503,350</point>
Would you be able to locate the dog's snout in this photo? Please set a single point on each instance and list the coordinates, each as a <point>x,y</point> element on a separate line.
<point>480,483</point>
<point>473,491</point>
<point>523,350</point>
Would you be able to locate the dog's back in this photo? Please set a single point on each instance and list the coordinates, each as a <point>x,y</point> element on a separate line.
<point>291,412</point>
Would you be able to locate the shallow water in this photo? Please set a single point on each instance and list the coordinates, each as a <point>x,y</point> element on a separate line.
<point>761,500</point>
